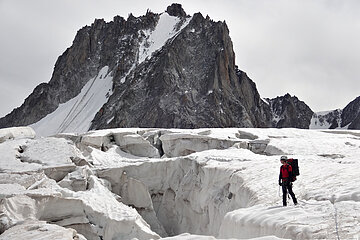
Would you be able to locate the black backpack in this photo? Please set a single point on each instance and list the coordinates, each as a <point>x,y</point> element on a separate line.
<point>295,168</point>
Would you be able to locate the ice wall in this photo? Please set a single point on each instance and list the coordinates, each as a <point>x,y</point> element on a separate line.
<point>16,133</point>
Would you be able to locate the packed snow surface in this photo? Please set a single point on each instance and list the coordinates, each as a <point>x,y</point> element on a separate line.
<point>16,133</point>
<point>179,184</point>
<point>76,114</point>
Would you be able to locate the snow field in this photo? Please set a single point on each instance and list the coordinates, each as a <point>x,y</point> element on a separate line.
<point>209,187</point>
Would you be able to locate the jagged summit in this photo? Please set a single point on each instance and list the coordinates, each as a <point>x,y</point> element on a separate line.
<point>176,10</point>
<point>157,70</point>
<point>167,70</point>
<point>289,111</point>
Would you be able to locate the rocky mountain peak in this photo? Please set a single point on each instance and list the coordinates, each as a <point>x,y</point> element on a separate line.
<point>166,70</point>
<point>289,111</point>
<point>176,10</point>
<point>190,82</point>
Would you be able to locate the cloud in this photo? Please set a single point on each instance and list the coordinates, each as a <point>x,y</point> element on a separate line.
<point>306,48</point>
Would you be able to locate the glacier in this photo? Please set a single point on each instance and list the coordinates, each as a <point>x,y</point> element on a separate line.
<point>136,183</point>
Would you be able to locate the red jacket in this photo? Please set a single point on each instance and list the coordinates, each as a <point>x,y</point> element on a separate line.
<point>285,171</point>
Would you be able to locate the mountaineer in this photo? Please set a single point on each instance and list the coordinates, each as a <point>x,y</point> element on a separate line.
<point>286,177</point>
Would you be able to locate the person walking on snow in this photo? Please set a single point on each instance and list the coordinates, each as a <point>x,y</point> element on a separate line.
<point>284,180</point>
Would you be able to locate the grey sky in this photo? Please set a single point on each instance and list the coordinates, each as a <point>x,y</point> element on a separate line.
<point>308,48</point>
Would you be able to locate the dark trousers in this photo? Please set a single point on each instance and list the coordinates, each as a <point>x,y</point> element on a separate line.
<point>287,186</point>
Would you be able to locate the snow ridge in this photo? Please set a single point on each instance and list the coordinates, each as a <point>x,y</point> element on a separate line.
<point>165,29</point>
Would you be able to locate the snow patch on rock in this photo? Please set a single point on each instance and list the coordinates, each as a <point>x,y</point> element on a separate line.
<point>166,28</point>
<point>326,119</point>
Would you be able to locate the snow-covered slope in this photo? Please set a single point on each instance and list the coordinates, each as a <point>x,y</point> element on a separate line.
<point>76,114</point>
<point>153,183</point>
<point>326,120</point>
<point>346,118</point>
<point>166,28</point>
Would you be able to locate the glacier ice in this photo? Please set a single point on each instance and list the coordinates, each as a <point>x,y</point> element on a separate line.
<point>16,133</point>
<point>178,184</point>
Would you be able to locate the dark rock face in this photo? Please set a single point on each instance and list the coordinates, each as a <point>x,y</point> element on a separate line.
<point>176,10</point>
<point>192,82</point>
<point>351,115</point>
<point>260,111</point>
<point>289,111</point>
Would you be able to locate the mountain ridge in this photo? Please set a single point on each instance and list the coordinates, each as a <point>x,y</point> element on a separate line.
<point>168,70</point>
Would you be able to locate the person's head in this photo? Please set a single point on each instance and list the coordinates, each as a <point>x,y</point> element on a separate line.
<point>283,159</point>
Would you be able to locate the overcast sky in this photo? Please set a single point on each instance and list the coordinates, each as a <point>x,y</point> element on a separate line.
<point>308,48</point>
